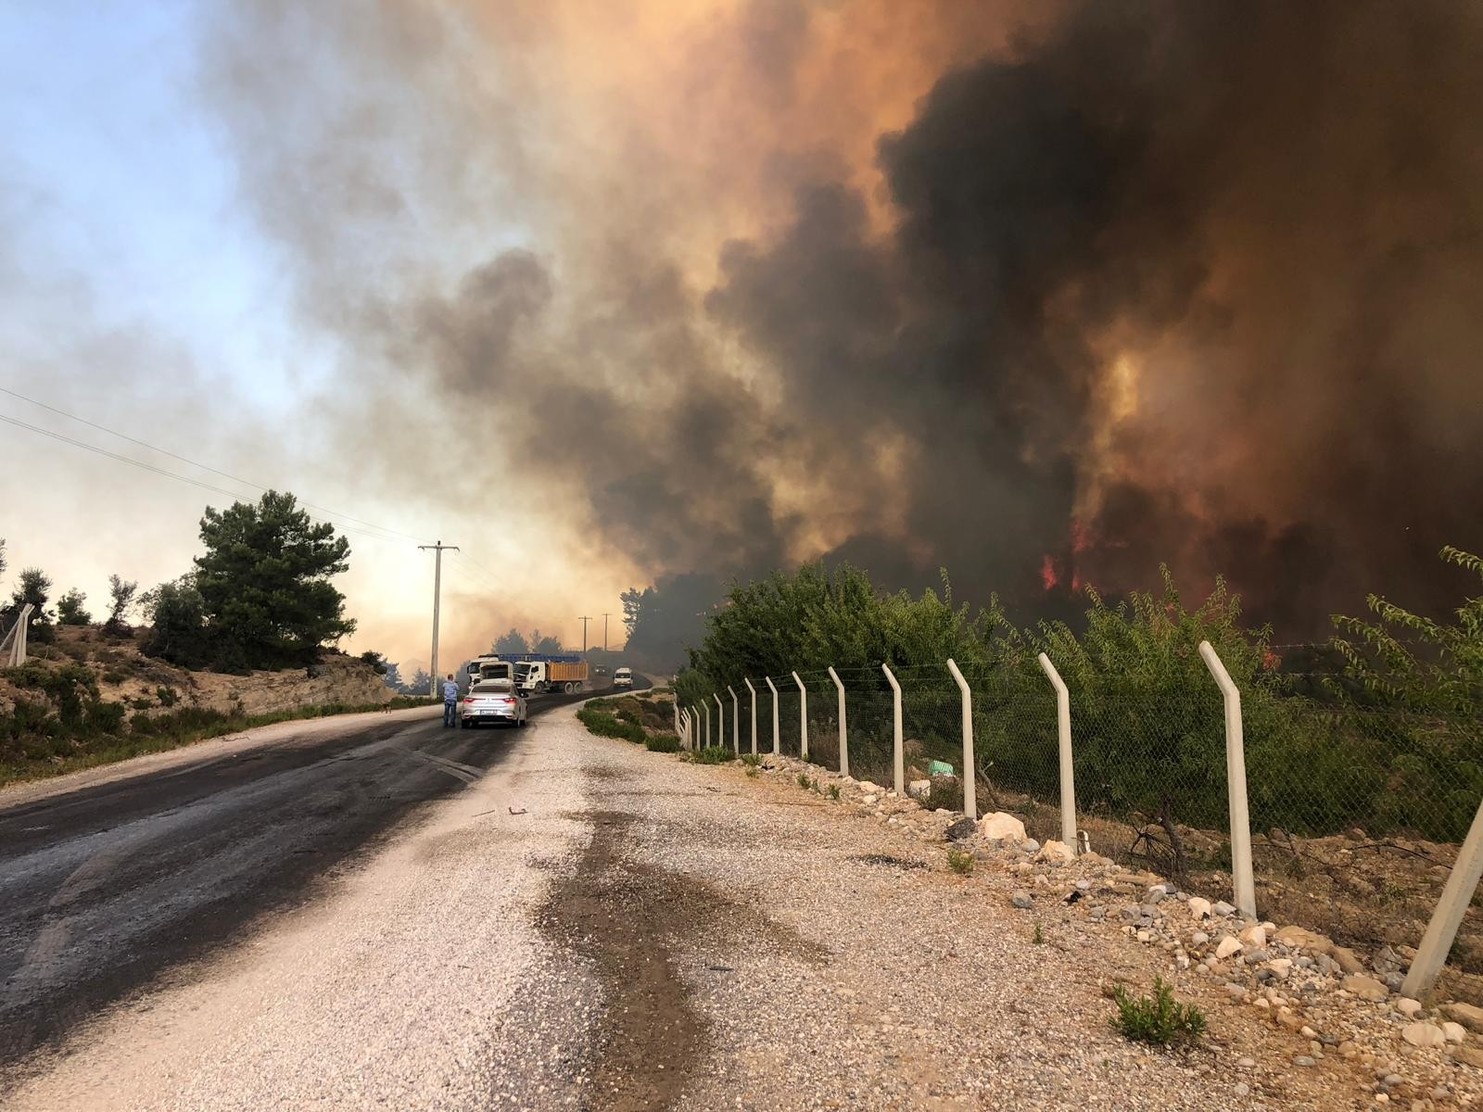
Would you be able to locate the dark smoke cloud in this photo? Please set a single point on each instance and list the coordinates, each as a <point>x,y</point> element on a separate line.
<point>1288,192</point>
<point>1270,210</point>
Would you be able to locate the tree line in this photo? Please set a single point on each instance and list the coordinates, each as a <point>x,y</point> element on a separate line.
<point>1379,727</point>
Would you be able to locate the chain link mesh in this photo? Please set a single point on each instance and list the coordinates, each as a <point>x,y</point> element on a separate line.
<point>1356,814</point>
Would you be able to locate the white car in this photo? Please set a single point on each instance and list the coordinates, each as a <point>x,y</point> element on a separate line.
<point>623,677</point>
<point>493,703</point>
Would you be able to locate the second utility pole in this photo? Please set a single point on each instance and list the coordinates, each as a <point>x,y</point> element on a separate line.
<point>437,595</point>
<point>584,620</point>
<point>605,632</point>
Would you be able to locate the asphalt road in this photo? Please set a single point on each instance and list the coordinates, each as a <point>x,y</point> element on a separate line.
<point>123,881</point>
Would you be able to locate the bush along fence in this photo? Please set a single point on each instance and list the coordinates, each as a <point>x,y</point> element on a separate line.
<point>1348,800</point>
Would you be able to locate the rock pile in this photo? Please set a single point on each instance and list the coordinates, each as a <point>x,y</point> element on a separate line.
<point>1331,1001</point>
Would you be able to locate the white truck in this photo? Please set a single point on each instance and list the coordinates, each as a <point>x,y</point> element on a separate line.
<point>490,668</point>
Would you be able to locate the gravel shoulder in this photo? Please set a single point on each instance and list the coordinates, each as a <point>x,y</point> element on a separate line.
<point>594,926</point>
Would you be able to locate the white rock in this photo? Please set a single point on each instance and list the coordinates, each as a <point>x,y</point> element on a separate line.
<point>1224,910</point>
<point>868,799</point>
<point>1001,827</point>
<point>1455,1032</point>
<point>1226,948</point>
<point>869,789</point>
<point>1408,1007</point>
<point>1056,853</point>
<point>1282,967</point>
<point>1423,1034</point>
<point>919,789</point>
<point>1198,907</point>
<point>1199,938</point>
<point>1255,937</point>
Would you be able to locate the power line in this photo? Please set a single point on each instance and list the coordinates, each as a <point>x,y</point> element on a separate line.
<point>161,471</point>
<point>327,512</point>
<point>114,455</point>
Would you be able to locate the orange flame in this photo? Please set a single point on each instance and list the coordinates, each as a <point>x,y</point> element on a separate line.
<point>1049,577</point>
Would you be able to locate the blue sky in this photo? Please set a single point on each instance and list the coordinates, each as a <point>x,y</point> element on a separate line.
<point>138,292</point>
<point>124,183</point>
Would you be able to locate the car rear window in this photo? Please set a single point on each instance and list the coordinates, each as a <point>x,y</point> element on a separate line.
<point>490,687</point>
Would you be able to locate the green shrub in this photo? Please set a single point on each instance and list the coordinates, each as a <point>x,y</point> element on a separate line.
<point>960,861</point>
<point>1158,1019</point>
<point>105,718</point>
<point>663,743</point>
<point>752,760</point>
<point>606,725</point>
<point>714,755</point>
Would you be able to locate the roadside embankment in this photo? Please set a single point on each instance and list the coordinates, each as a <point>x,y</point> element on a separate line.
<point>90,699</point>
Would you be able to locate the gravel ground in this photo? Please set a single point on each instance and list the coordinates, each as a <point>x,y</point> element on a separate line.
<point>653,933</point>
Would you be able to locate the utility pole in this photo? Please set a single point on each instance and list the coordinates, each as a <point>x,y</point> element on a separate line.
<point>584,620</point>
<point>605,631</point>
<point>437,596</point>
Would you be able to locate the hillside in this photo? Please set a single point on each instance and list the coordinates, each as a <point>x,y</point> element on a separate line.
<point>88,698</point>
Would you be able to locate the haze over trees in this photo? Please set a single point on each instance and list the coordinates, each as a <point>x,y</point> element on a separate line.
<point>513,643</point>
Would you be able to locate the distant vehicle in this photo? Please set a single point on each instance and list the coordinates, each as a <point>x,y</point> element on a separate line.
<point>623,677</point>
<point>541,675</point>
<point>490,668</point>
<point>599,670</point>
<point>494,703</point>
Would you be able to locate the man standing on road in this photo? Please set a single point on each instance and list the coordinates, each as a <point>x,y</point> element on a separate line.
<point>450,701</point>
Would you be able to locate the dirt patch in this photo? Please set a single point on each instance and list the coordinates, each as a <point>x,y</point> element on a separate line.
<point>886,860</point>
<point>624,918</point>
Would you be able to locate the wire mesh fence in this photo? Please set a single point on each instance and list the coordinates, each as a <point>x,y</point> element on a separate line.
<point>788,703</point>
<point>1356,813</point>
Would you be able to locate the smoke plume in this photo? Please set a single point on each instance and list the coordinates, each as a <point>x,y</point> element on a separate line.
<point>1043,294</point>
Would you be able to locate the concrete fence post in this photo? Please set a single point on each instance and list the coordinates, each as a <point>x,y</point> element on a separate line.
<point>753,690</point>
<point>735,721</point>
<point>844,735</point>
<point>776,740</point>
<point>898,752</point>
<point>687,734</point>
<point>1241,874</point>
<point>705,729</point>
<point>17,636</point>
<point>802,718</point>
<point>970,795</point>
<point>720,721</point>
<point>1436,943</point>
<point>1063,735</point>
